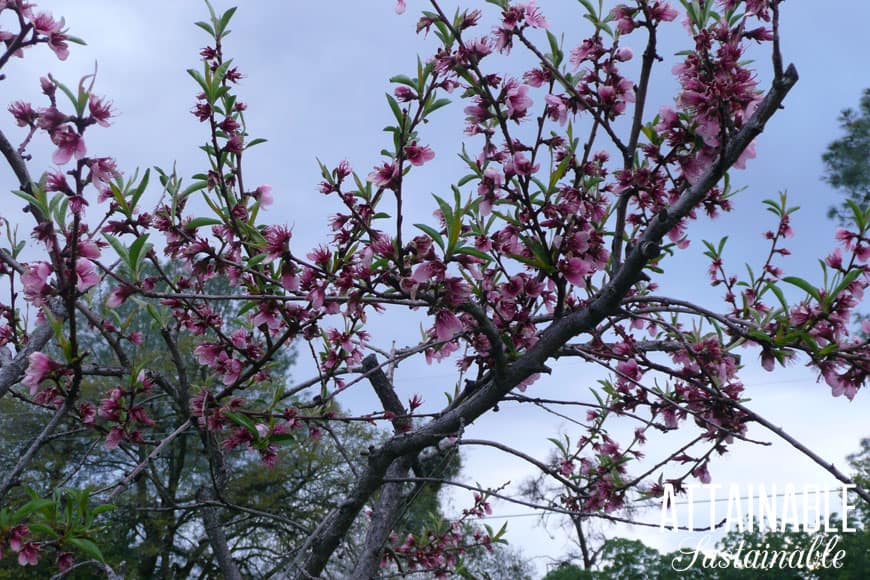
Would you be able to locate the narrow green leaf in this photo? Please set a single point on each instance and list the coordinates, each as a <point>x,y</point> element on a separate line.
<point>397,110</point>
<point>242,421</point>
<point>803,285</point>
<point>473,252</point>
<point>30,507</point>
<point>201,222</point>
<point>432,233</point>
<point>88,547</point>
<point>205,26</point>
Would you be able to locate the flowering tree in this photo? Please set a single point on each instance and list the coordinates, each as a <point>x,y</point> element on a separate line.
<point>575,198</point>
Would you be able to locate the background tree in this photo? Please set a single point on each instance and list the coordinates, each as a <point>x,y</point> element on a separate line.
<point>847,160</point>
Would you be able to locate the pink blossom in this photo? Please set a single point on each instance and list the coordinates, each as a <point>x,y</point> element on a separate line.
<point>103,170</point>
<point>384,176</point>
<point>521,165</point>
<point>845,237</point>
<point>623,54</point>
<point>575,270</point>
<point>118,295</point>
<point>50,119</point>
<point>228,367</point>
<point>534,16</point>
<point>45,24</point>
<point>400,6</point>
<point>662,11</point>
<point>264,194</point>
<point>702,473</point>
<point>536,77</point>
<point>835,259</point>
<point>86,277</point>
<point>557,108</point>
<point>56,181</point>
<point>41,365</point>
<point>446,325</point>
<point>29,554</point>
<point>87,413</point>
<point>768,361</point>
<point>207,353</point>
<point>101,111</point>
<point>88,248</point>
<point>17,536</point>
<point>624,17</point>
<point>277,241</point>
<point>516,99</point>
<point>404,94</point>
<point>748,153</point>
<point>23,113</point>
<point>140,415</point>
<point>114,438</point>
<point>428,271</point>
<point>234,144</point>
<point>69,144</point>
<point>65,561</point>
<point>418,155</point>
<point>588,49</point>
<point>35,281</point>
<point>629,369</point>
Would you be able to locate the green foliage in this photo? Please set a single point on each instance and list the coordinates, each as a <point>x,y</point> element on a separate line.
<point>847,161</point>
<point>569,572</point>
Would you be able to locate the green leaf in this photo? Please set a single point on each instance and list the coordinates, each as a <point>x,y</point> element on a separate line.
<point>138,250</point>
<point>207,27</point>
<point>32,201</point>
<point>42,529</point>
<point>242,421</point>
<point>30,507</point>
<point>140,189</point>
<point>437,104</point>
<point>253,142</point>
<point>282,438</point>
<point>119,248</point>
<point>432,233</point>
<point>88,547</point>
<point>201,222</point>
<point>254,260</point>
<point>779,295</point>
<point>588,5</point>
<point>397,110</point>
<point>225,20</point>
<point>803,285</point>
<point>539,251</point>
<point>560,172</point>
<point>847,279</point>
<point>404,80</point>
<point>473,252</point>
<point>197,76</point>
<point>100,509</point>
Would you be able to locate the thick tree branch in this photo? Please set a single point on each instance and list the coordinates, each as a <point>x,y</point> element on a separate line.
<point>11,478</point>
<point>384,517</point>
<point>319,547</point>
<point>218,540</point>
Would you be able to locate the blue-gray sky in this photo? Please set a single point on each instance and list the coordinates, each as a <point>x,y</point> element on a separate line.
<point>316,75</point>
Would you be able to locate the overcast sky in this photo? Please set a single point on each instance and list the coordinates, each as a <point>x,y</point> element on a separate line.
<point>316,75</point>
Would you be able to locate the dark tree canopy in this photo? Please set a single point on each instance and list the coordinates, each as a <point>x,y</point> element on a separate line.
<point>847,159</point>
